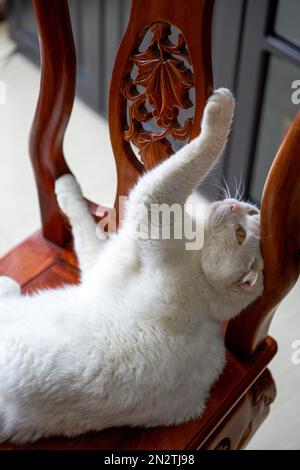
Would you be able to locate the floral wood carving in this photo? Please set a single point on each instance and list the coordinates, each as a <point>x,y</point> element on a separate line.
<point>157,93</point>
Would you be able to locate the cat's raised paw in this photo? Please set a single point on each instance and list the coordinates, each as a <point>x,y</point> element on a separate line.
<point>67,183</point>
<point>67,192</point>
<point>219,109</point>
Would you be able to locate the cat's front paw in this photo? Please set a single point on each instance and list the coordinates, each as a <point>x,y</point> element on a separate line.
<point>219,110</point>
<point>9,286</point>
<point>67,192</point>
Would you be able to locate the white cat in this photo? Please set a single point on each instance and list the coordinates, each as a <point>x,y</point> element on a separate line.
<point>139,341</point>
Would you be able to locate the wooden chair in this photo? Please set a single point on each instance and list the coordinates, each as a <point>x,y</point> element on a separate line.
<point>167,70</point>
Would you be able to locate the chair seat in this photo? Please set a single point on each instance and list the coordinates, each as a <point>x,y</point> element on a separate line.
<point>239,401</point>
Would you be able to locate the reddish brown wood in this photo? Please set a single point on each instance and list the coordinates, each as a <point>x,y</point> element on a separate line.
<point>280,245</point>
<point>104,440</point>
<point>29,259</point>
<point>165,82</point>
<point>57,89</point>
<point>246,417</point>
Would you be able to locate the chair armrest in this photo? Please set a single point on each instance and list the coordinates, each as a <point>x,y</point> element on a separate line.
<point>280,245</point>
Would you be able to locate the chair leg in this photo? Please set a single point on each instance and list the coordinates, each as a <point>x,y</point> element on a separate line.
<point>56,97</point>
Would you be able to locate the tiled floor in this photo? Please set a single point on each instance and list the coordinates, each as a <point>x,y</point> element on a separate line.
<point>88,152</point>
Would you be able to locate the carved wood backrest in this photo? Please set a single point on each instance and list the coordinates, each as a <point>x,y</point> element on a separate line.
<point>156,68</point>
<point>165,55</point>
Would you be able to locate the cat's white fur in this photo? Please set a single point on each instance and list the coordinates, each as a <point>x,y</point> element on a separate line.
<point>139,341</point>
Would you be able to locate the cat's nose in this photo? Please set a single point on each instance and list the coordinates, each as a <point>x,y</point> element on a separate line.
<point>233,208</point>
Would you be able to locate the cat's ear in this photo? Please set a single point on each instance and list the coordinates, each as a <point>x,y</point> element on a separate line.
<point>249,279</point>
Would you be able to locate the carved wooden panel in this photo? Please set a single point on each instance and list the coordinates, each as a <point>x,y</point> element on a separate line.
<point>157,92</point>
<point>163,61</point>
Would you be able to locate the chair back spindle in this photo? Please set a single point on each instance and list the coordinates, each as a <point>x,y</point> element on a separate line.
<point>57,91</point>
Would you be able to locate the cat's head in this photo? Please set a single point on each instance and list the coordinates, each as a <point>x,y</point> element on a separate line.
<point>231,258</point>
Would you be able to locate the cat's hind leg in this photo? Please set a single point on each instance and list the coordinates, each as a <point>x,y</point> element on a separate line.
<point>9,287</point>
<point>72,203</point>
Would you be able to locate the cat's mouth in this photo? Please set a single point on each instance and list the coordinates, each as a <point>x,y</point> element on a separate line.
<point>248,280</point>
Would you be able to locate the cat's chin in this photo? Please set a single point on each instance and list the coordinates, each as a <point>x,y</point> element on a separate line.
<point>233,300</point>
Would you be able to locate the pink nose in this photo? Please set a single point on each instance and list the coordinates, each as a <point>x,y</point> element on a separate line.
<point>233,208</point>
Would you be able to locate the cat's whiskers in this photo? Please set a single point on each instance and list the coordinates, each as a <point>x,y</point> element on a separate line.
<point>224,189</point>
<point>239,188</point>
<point>227,189</point>
<point>220,188</point>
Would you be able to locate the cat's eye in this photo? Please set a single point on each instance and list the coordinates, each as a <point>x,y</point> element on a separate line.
<point>252,212</point>
<point>240,234</point>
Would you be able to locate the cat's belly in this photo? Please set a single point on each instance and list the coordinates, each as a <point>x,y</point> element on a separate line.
<point>100,369</point>
<point>163,385</point>
<point>183,390</point>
